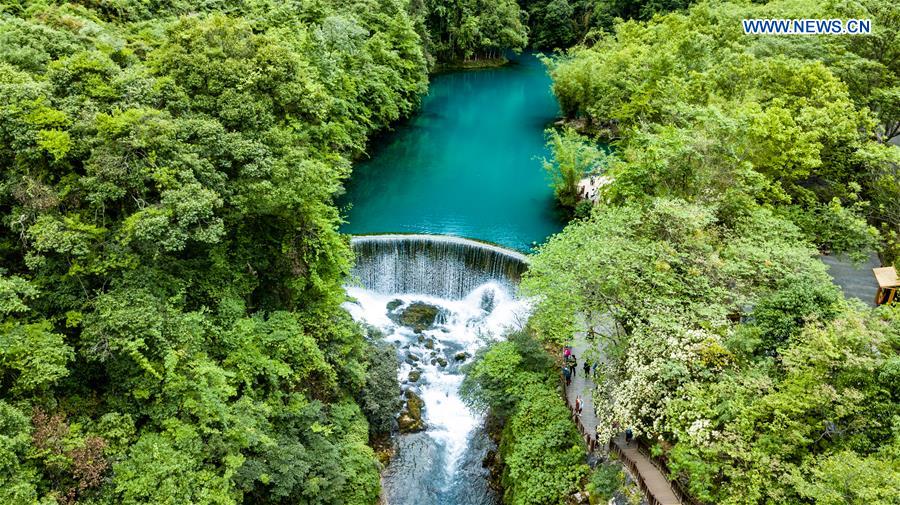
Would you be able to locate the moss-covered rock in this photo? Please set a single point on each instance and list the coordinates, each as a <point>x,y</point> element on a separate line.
<point>410,419</point>
<point>419,316</point>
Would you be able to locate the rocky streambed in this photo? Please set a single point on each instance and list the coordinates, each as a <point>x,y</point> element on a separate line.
<point>442,444</point>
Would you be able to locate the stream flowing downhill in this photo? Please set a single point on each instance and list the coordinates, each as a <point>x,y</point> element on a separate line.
<point>466,165</point>
<point>472,286</point>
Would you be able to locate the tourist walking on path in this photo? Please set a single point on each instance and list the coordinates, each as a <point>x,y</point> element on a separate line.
<point>568,375</point>
<point>587,369</point>
<point>629,436</point>
<point>573,364</point>
<point>578,405</point>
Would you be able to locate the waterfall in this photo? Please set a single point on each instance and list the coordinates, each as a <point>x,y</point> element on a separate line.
<point>471,286</point>
<point>442,266</point>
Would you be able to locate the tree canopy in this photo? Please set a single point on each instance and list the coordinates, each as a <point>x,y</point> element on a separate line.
<point>698,110</point>
<point>465,30</point>
<point>735,161</point>
<point>171,266</point>
<point>540,449</point>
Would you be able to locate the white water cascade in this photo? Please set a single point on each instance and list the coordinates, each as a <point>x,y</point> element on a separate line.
<point>443,464</point>
<point>449,267</point>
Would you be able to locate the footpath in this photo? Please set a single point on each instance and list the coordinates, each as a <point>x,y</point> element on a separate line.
<point>653,482</point>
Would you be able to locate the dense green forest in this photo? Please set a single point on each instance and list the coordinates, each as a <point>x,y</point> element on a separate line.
<point>700,111</point>
<point>469,30</point>
<point>171,270</point>
<point>736,160</point>
<point>558,24</point>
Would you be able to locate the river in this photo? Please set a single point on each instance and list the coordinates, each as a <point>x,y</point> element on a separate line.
<point>467,165</point>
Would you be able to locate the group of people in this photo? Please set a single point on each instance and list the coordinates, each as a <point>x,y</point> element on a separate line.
<point>570,365</point>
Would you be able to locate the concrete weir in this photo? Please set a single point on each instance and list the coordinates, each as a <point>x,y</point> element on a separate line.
<point>437,265</point>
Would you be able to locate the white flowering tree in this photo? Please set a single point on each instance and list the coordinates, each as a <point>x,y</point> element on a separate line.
<point>711,320</point>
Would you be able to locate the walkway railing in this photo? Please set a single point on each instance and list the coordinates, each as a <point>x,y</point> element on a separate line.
<point>632,467</point>
<point>589,435</point>
<point>660,465</point>
<point>650,473</point>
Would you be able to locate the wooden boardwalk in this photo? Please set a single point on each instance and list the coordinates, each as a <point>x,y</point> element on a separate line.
<point>653,482</point>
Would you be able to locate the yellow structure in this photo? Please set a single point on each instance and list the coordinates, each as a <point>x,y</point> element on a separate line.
<point>888,285</point>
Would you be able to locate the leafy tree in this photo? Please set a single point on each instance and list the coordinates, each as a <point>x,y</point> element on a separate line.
<point>726,345</point>
<point>573,158</point>
<point>469,30</point>
<point>552,24</point>
<point>754,436</point>
<point>32,356</point>
<point>692,102</point>
<point>380,397</point>
<point>170,319</point>
<point>19,478</point>
<point>542,455</point>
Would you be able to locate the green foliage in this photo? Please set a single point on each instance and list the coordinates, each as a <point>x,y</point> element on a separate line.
<point>171,287</point>
<point>836,228</point>
<point>551,23</point>
<point>755,437</point>
<point>168,468</point>
<point>724,340</point>
<point>608,10</point>
<point>883,172</point>
<point>542,455</point>
<point>574,157</point>
<point>796,301</point>
<point>557,24</point>
<point>15,438</point>
<point>380,397</point>
<point>465,30</point>
<point>541,452</point>
<point>32,356</point>
<point>699,110</point>
<point>605,480</point>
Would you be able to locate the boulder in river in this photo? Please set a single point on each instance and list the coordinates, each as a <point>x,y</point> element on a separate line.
<point>415,375</point>
<point>393,304</point>
<point>419,316</point>
<point>410,419</point>
<point>461,356</point>
<point>441,361</point>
